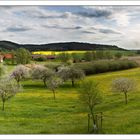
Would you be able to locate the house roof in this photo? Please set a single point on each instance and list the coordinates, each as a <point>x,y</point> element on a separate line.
<point>8,56</point>
<point>50,56</point>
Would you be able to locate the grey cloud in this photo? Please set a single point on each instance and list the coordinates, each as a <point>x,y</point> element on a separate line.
<point>44,15</point>
<point>105,30</point>
<point>108,31</point>
<point>5,7</point>
<point>51,16</point>
<point>95,13</point>
<point>62,27</point>
<point>17,29</point>
<point>92,30</point>
<point>114,40</point>
<point>88,32</point>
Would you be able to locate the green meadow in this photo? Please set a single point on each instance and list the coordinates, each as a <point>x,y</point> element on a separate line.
<point>34,111</point>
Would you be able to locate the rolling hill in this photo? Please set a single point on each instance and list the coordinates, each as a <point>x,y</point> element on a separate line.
<point>65,46</point>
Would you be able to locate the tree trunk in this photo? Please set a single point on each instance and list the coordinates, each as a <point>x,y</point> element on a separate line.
<point>125,97</point>
<point>72,81</point>
<point>92,114</point>
<point>54,94</point>
<point>3,103</point>
<point>88,122</point>
<point>18,82</point>
<point>93,118</point>
<point>44,81</point>
<point>95,127</point>
<point>101,120</point>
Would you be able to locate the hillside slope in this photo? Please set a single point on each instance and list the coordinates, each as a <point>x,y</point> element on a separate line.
<point>66,46</point>
<point>35,111</point>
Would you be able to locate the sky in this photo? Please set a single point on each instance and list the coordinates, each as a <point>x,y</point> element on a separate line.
<point>113,25</point>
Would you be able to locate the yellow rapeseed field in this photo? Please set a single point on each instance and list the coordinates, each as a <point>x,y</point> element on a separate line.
<point>56,52</point>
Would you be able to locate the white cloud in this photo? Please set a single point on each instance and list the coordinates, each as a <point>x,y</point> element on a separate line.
<point>97,24</point>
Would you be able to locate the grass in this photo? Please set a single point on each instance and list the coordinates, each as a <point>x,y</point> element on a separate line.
<point>118,117</point>
<point>33,111</point>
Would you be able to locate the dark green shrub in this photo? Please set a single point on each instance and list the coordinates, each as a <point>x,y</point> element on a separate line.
<point>87,67</point>
<point>88,56</point>
<point>64,57</point>
<point>54,66</point>
<point>40,59</point>
<point>132,65</point>
<point>100,66</point>
<point>76,57</point>
<point>114,65</point>
<point>118,55</point>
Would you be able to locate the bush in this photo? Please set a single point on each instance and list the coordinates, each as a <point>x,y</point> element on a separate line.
<point>114,66</point>
<point>54,66</point>
<point>40,59</point>
<point>87,67</point>
<point>118,55</point>
<point>88,56</point>
<point>100,66</point>
<point>106,66</point>
<point>64,57</point>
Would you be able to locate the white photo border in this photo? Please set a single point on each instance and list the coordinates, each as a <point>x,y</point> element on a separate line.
<point>68,2</point>
<point>70,137</point>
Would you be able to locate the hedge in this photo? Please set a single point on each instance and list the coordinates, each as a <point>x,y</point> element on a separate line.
<point>101,66</point>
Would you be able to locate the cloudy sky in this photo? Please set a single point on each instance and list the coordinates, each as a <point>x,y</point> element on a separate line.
<point>115,25</point>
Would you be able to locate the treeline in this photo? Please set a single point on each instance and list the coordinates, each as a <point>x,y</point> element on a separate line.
<point>99,65</point>
<point>66,46</point>
<point>23,56</point>
<point>89,56</point>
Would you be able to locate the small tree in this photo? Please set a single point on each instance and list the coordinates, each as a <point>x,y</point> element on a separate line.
<point>138,51</point>
<point>76,57</point>
<point>99,54</point>
<point>42,73</point>
<point>13,53</point>
<point>23,56</point>
<point>88,56</point>
<point>90,96</point>
<point>75,74</point>
<point>71,72</point>
<point>63,73</point>
<point>8,89</point>
<point>53,83</point>
<point>19,73</point>
<point>64,57</point>
<point>118,55</point>
<point>108,55</point>
<point>123,85</point>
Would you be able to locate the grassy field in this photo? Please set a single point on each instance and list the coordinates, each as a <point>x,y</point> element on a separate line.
<point>33,111</point>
